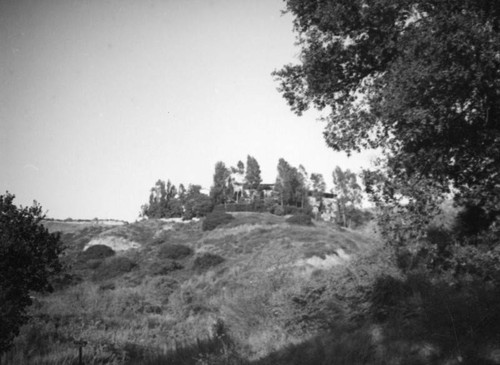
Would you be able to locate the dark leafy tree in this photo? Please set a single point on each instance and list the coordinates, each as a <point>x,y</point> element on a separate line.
<point>29,257</point>
<point>196,203</point>
<point>252,176</point>
<point>418,79</point>
<point>163,202</point>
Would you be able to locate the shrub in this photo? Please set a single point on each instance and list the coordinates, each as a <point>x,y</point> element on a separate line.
<point>113,267</point>
<point>216,219</point>
<point>207,261</point>
<point>277,210</point>
<point>300,219</point>
<point>174,251</point>
<point>97,252</point>
<point>165,267</point>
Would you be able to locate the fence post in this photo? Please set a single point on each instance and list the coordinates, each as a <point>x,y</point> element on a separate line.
<point>80,344</point>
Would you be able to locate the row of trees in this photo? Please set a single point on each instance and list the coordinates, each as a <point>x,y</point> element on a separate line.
<point>293,187</point>
<point>167,201</point>
<point>230,184</point>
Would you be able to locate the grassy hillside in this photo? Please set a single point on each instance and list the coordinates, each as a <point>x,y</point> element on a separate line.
<point>169,291</point>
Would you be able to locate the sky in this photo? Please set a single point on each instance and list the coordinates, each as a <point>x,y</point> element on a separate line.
<point>101,98</point>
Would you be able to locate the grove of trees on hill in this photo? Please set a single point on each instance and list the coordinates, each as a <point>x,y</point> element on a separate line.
<point>293,191</point>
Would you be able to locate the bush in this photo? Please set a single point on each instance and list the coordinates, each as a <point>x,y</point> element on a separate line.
<point>165,268</point>
<point>300,219</point>
<point>215,219</point>
<point>174,251</point>
<point>206,261</point>
<point>113,267</point>
<point>277,210</point>
<point>97,252</point>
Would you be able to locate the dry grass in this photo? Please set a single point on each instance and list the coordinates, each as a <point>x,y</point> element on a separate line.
<point>256,291</point>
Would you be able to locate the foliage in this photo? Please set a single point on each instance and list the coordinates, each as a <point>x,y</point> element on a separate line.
<point>174,251</point>
<point>221,191</point>
<point>472,220</point>
<point>97,252</point>
<point>163,202</point>
<point>215,219</point>
<point>300,219</point>
<point>417,79</point>
<point>113,267</point>
<point>348,195</point>
<point>29,256</point>
<point>459,319</point>
<point>252,176</point>
<point>206,261</point>
<point>318,188</point>
<point>290,185</point>
<point>166,201</point>
<point>165,267</point>
<point>196,204</point>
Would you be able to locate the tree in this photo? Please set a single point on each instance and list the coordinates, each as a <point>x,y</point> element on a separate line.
<point>348,194</point>
<point>252,176</point>
<point>289,184</point>
<point>318,188</point>
<point>196,203</point>
<point>418,79</point>
<point>29,257</point>
<point>221,189</point>
<point>163,201</point>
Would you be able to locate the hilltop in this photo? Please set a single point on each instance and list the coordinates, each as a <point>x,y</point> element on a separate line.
<point>167,285</point>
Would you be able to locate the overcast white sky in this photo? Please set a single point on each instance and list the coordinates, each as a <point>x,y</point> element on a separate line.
<point>101,98</point>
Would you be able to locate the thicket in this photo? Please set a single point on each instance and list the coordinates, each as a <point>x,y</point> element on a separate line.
<point>215,219</point>
<point>174,251</point>
<point>113,267</point>
<point>206,261</point>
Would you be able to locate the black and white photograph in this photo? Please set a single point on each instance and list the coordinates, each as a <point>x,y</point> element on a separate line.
<point>249,182</point>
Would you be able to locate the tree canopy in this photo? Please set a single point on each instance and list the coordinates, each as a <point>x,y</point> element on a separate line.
<point>252,176</point>
<point>290,185</point>
<point>29,256</point>
<point>221,191</point>
<point>418,79</point>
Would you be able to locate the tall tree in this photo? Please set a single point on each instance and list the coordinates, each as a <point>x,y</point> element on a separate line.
<point>29,256</point>
<point>163,201</point>
<point>221,189</point>
<point>289,184</point>
<point>252,176</point>
<point>418,79</point>
<point>196,203</point>
<point>348,194</point>
<point>318,188</point>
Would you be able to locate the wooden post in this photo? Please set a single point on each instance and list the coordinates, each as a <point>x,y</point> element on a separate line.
<point>80,344</point>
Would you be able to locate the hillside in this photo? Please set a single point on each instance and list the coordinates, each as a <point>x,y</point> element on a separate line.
<point>168,286</point>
